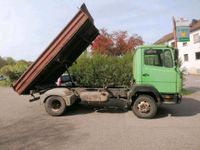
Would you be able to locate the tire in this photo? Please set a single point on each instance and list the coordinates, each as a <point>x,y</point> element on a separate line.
<point>55,105</point>
<point>144,107</point>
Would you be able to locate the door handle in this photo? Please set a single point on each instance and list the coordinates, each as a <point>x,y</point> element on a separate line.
<point>145,74</point>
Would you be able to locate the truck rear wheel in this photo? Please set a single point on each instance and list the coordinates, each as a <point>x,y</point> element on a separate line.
<point>144,107</point>
<point>55,105</point>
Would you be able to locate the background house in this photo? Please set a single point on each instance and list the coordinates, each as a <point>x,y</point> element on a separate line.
<point>189,52</point>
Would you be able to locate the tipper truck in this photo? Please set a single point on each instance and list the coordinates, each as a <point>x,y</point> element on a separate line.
<point>156,76</point>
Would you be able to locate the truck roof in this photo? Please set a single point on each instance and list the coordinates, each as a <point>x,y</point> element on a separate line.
<point>154,46</point>
<point>60,54</point>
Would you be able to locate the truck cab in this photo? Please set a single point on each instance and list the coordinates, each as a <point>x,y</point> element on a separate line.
<point>157,77</point>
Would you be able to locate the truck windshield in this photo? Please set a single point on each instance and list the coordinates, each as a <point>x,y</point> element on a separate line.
<point>161,58</point>
<point>168,61</point>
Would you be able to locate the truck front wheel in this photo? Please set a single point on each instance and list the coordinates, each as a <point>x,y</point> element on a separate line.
<point>55,105</point>
<point>144,107</point>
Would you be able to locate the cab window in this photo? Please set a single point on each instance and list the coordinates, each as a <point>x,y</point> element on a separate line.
<point>161,58</point>
<point>153,57</point>
<point>168,61</point>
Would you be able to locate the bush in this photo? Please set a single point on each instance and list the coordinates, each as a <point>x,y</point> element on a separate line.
<point>14,71</point>
<point>102,70</point>
<point>5,82</point>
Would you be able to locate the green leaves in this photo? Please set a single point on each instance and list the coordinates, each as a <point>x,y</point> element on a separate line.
<point>103,70</point>
<point>14,71</point>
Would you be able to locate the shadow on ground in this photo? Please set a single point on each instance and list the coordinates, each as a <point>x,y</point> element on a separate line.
<point>188,107</point>
<point>191,90</point>
<point>113,106</point>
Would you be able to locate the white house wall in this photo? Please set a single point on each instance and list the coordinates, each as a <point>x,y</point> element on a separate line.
<point>192,66</point>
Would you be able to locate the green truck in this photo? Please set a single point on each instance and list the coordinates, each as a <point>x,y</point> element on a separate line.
<point>157,79</point>
<point>156,75</point>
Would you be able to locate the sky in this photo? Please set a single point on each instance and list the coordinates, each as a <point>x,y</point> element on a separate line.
<point>28,26</point>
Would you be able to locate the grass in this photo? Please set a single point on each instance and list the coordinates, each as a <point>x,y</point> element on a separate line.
<point>186,91</point>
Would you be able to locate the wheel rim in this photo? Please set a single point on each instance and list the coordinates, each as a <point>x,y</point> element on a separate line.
<point>144,107</point>
<point>55,105</point>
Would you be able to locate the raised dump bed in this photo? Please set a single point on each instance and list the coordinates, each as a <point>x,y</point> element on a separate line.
<point>60,54</point>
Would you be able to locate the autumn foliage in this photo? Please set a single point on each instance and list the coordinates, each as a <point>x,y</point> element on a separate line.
<point>116,43</point>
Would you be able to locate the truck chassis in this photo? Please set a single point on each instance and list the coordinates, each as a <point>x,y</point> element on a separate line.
<point>143,102</point>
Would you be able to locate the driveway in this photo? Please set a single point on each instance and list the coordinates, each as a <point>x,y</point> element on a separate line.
<point>26,126</point>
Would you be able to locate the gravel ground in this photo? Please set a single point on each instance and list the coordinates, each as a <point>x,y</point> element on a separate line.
<point>26,126</point>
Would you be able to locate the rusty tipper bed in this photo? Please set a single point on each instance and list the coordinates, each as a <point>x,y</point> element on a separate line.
<point>61,53</point>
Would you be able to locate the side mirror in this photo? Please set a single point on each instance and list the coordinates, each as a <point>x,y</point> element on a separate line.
<point>176,55</point>
<point>176,62</point>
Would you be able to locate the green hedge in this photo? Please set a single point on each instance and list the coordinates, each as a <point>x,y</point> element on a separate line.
<point>12,72</point>
<point>102,70</point>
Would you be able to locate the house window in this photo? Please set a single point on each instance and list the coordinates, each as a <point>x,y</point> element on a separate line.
<point>196,38</point>
<point>184,43</point>
<point>197,54</point>
<point>186,57</point>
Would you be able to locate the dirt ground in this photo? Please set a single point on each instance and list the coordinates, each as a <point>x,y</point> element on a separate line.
<point>26,126</point>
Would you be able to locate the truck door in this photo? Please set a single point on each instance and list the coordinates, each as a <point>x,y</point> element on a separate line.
<point>158,70</point>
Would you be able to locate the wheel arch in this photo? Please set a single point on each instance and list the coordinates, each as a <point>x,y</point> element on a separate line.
<point>68,95</point>
<point>138,90</point>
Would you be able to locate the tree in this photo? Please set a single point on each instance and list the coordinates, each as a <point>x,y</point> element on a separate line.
<point>6,61</point>
<point>2,62</point>
<point>103,43</point>
<point>14,71</point>
<point>10,61</point>
<point>116,43</point>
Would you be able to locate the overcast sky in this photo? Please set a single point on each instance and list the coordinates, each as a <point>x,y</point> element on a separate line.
<point>28,26</point>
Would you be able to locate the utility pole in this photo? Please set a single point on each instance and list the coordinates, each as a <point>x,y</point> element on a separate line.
<point>174,32</point>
